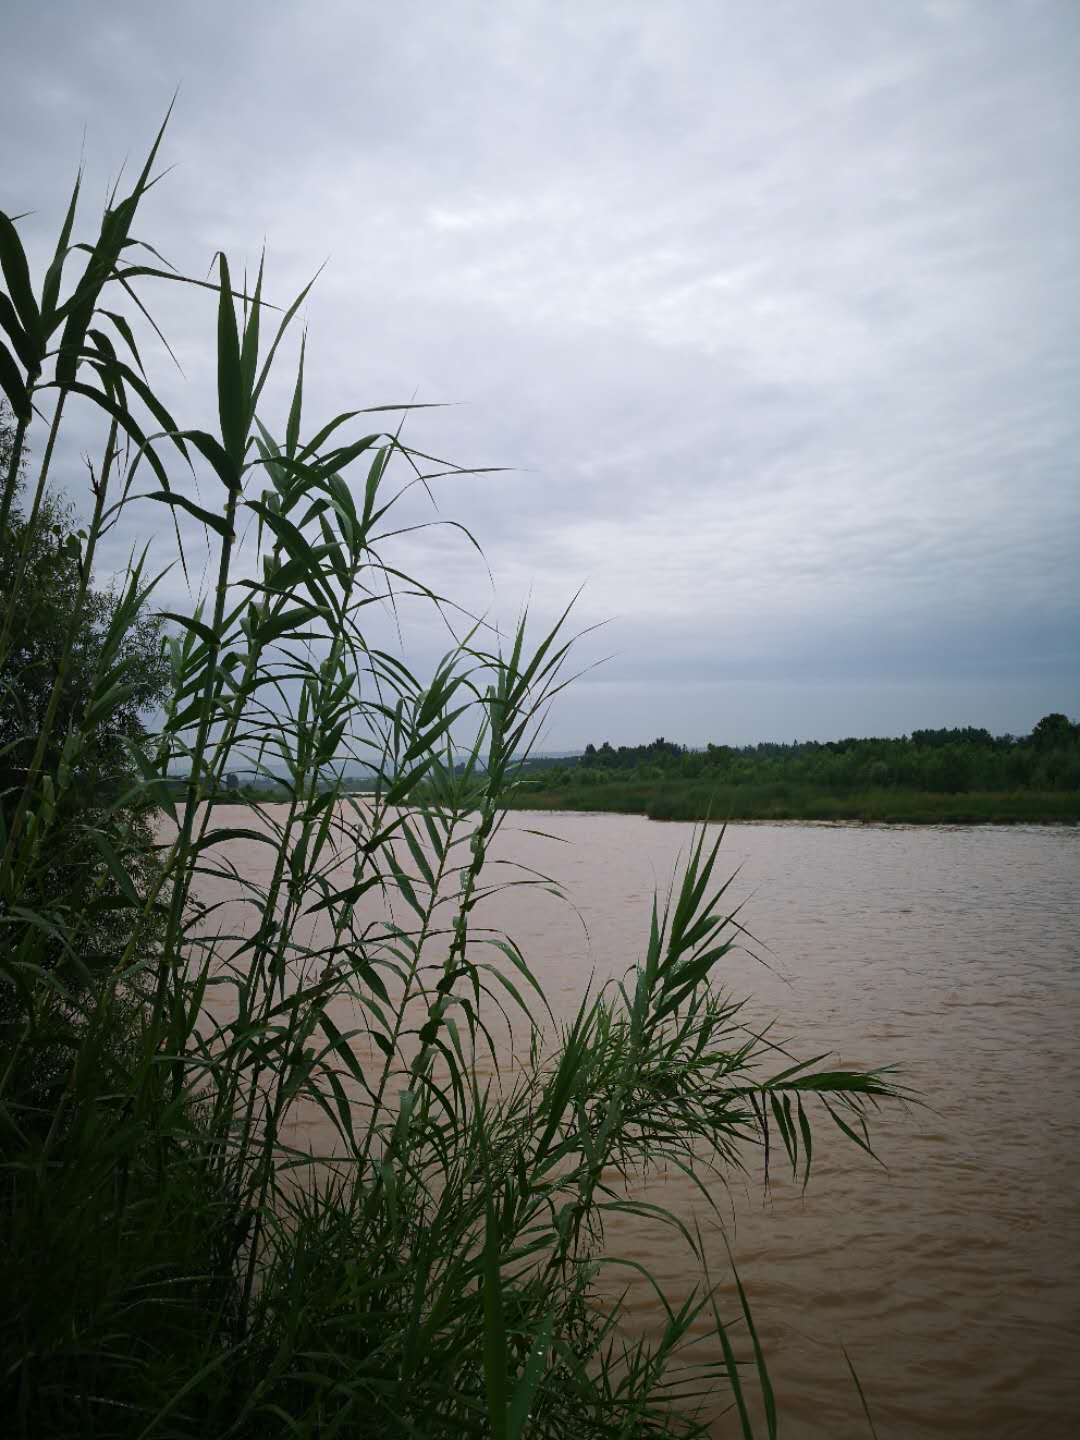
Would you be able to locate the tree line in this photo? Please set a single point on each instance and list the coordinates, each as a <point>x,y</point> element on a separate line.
<point>943,761</point>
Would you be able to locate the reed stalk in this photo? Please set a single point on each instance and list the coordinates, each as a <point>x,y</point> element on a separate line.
<point>176,1258</point>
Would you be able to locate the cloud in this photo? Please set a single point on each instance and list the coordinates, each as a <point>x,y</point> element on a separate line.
<point>773,309</point>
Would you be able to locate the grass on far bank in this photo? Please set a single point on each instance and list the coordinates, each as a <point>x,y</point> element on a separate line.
<point>690,800</point>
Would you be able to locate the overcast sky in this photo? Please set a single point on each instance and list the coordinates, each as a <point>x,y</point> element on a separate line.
<point>773,307</point>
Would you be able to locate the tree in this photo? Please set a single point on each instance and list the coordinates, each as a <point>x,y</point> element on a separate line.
<point>44,606</point>
<point>1052,730</point>
<point>86,783</point>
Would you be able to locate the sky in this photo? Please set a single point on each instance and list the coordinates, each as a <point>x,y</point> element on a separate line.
<point>770,312</point>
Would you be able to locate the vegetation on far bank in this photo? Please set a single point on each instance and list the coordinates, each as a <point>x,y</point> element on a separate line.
<point>933,777</point>
<point>674,801</point>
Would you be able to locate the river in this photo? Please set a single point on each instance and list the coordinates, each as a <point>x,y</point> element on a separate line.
<point>951,1273</point>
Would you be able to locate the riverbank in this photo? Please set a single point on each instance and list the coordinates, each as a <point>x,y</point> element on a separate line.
<point>665,800</point>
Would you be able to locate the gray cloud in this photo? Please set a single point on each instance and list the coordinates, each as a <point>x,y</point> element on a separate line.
<point>774,308</point>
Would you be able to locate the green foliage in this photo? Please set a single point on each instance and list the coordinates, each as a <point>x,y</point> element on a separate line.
<point>77,673</point>
<point>180,1255</point>
<point>45,605</point>
<point>1055,732</point>
<point>934,776</point>
<point>936,761</point>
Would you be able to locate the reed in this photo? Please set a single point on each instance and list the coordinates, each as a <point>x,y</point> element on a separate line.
<point>175,1258</point>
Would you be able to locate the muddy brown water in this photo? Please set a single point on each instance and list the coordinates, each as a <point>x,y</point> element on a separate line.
<point>952,1276</point>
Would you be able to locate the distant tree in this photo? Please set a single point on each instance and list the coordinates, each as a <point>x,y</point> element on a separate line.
<point>1055,729</point>
<point>877,773</point>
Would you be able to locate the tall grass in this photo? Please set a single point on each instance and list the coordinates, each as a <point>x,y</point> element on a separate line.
<point>179,1257</point>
